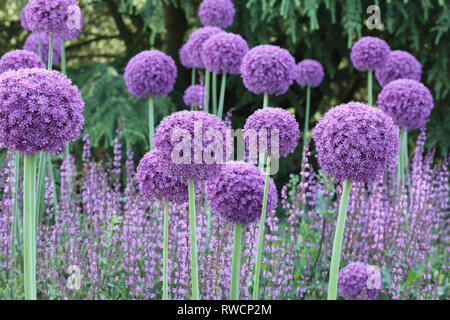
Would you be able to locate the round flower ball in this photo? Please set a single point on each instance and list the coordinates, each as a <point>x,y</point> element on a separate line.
<point>192,143</point>
<point>401,65</point>
<point>194,96</point>
<point>184,57</point>
<point>195,42</point>
<point>268,69</point>
<point>216,13</point>
<point>40,110</point>
<point>32,44</point>
<point>370,53</point>
<point>223,53</point>
<point>23,19</point>
<point>356,141</point>
<point>309,72</point>
<point>359,280</point>
<point>74,25</point>
<point>237,193</point>
<point>150,72</point>
<point>157,182</point>
<point>408,102</point>
<point>269,119</point>
<point>20,59</point>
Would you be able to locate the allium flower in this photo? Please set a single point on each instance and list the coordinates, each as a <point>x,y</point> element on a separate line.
<point>408,102</point>
<point>32,44</point>
<point>23,19</point>
<point>223,53</point>
<point>194,44</point>
<point>268,69</point>
<point>40,110</point>
<point>237,193</point>
<point>184,56</point>
<point>275,119</point>
<point>356,141</point>
<point>150,71</point>
<point>157,182</point>
<point>58,17</point>
<point>309,72</point>
<point>201,135</point>
<point>20,59</point>
<point>194,96</point>
<point>216,13</point>
<point>370,53</point>
<point>355,281</point>
<point>400,65</point>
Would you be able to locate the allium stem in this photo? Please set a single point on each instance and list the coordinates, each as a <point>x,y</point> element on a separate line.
<point>151,121</point>
<point>307,112</point>
<point>222,95</point>
<point>266,100</point>
<point>236,262</point>
<point>29,239</point>
<point>40,46</point>
<point>337,245</point>
<point>214,93</point>
<point>193,238</point>
<point>402,162</point>
<point>369,87</point>
<point>40,186</point>
<point>63,58</point>
<point>207,76</point>
<point>192,82</point>
<point>52,179</point>
<point>166,252</point>
<point>262,224</point>
<point>50,53</point>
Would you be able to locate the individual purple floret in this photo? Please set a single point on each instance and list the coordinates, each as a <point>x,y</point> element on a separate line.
<point>408,102</point>
<point>32,44</point>
<point>157,182</point>
<point>40,111</point>
<point>268,69</point>
<point>59,18</point>
<point>269,119</point>
<point>237,193</point>
<point>359,280</point>
<point>356,141</point>
<point>194,44</point>
<point>216,13</point>
<point>193,143</point>
<point>185,59</point>
<point>20,59</point>
<point>400,65</point>
<point>223,53</point>
<point>150,72</point>
<point>194,96</point>
<point>310,72</point>
<point>370,53</point>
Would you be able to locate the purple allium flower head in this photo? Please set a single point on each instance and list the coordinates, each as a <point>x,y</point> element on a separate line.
<point>310,72</point>
<point>275,119</point>
<point>59,17</point>
<point>32,44</point>
<point>355,281</point>
<point>400,65</point>
<point>356,141</point>
<point>20,59</point>
<point>192,143</point>
<point>370,53</point>
<point>194,44</point>
<point>150,71</point>
<point>223,53</point>
<point>407,101</point>
<point>40,110</point>
<point>268,69</point>
<point>184,56</point>
<point>237,192</point>
<point>23,19</point>
<point>216,13</point>
<point>194,95</point>
<point>157,182</point>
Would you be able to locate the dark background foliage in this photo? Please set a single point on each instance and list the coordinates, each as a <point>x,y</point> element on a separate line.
<point>324,30</point>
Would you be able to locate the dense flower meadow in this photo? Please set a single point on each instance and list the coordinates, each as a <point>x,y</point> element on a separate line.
<point>199,217</point>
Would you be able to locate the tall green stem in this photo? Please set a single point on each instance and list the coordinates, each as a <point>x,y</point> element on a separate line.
<point>369,87</point>
<point>50,53</point>
<point>401,158</point>
<point>307,111</point>
<point>337,245</point>
<point>166,252</point>
<point>52,179</point>
<point>206,103</point>
<point>266,100</point>
<point>214,93</point>
<point>236,262</point>
<point>29,239</point>
<point>262,224</point>
<point>192,82</point>
<point>63,58</point>
<point>193,238</point>
<point>223,85</point>
<point>151,121</point>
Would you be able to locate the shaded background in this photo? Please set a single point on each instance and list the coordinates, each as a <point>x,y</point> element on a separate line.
<point>324,30</point>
